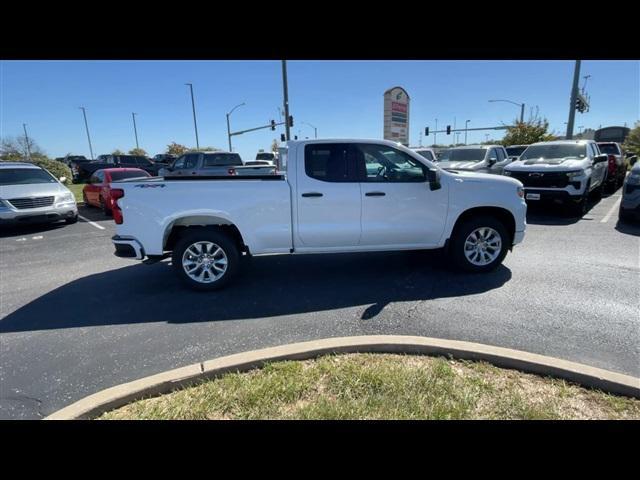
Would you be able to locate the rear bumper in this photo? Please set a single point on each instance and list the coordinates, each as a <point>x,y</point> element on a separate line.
<point>127,247</point>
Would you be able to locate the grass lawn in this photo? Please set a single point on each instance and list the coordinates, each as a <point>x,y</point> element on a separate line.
<point>76,188</point>
<point>381,386</point>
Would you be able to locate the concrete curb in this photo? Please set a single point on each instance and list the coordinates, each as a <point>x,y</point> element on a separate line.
<point>114,397</point>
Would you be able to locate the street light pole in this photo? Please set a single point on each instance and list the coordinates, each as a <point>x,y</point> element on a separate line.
<point>521,105</point>
<point>574,96</point>
<point>86,126</point>
<point>195,123</point>
<point>314,128</point>
<point>228,125</point>
<point>135,130</point>
<point>286,99</point>
<point>465,131</point>
<point>26,138</point>
<point>434,134</point>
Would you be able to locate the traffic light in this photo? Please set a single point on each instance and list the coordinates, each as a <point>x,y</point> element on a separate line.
<point>296,137</point>
<point>448,129</point>
<point>291,120</point>
<point>426,132</point>
<point>282,137</point>
<point>273,124</point>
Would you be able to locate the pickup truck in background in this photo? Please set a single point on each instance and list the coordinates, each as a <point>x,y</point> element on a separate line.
<point>86,170</point>
<point>213,164</point>
<point>336,196</point>
<point>616,166</point>
<point>475,158</point>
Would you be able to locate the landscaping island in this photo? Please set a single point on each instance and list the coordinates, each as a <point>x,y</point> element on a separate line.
<point>381,386</point>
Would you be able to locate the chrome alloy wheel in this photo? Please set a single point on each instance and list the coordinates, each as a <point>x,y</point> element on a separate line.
<point>204,262</point>
<point>482,246</point>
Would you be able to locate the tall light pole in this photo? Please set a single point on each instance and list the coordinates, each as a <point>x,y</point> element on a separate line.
<point>434,134</point>
<point>286,99</point>
<point>26,139</point>
<point>314,128</point>
<point>135,130</point>
<point>86,126</point>
<point>574,97</point>
<point>465,131</point>
<point>228,127</point>
<point>521,105</point>
<point>195,123</point>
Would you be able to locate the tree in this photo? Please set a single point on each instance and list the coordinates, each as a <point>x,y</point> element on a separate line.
<point>204,149</point>
<point>176,149</point>
<point>117,151</point>
<point>526,133</point>
<point>138,151</point>
<point>632,143</point>
<point>275,145</point>
<point>15,148</point>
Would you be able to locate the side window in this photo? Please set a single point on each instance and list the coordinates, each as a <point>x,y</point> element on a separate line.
<point>191,160</point>
<point>501,154</point>
<point>100,177</point>
<point>330,162</point>
<point>179,163</point>
<point>93,179</point>
<point>492,154</point>
<point>380,163</point>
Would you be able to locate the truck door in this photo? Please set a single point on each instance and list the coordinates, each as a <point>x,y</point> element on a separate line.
<point>398,207</point>
<point>328,197</point>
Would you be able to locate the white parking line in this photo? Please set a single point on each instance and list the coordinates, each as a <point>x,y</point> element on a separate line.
<point>92,223</point>
<point>613,209</point>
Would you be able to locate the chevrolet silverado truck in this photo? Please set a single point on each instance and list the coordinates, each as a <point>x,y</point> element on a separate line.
<point>334,196</point>
<point>564,171</point>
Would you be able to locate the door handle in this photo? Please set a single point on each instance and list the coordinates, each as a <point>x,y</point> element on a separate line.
<point>375,194</point>
<point>312,194</point>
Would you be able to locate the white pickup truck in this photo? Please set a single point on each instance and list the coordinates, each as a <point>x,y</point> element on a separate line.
<point>335,196</point>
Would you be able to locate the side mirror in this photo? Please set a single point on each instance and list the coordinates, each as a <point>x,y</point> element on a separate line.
<point>433,176</point>
<point>492,160</point>
<point>633,160</point>
<point>62,179</point>
<point>600,158</point>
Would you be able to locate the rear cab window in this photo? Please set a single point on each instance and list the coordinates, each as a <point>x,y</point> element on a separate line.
<point>330,162</point>
<point>221,160</point>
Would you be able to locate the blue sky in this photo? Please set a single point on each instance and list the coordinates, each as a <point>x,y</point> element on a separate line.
<point>340,98</point>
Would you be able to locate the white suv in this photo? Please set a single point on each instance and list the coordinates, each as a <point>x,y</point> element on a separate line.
<point>564,171</point>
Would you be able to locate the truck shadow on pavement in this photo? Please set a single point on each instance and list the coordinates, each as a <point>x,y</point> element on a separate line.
<point>266,287</point>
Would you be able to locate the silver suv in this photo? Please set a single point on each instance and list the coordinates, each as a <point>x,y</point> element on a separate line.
<point>476,158</point>
<point>30,194</point>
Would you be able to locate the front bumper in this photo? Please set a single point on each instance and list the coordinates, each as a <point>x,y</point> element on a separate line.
<point>127,247</point>
<point>14,216</point>
<point>551,195</point>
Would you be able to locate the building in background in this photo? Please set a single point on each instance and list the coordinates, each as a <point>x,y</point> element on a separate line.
<point>396,115</point>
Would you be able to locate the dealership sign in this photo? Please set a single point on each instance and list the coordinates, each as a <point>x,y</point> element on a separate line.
<point>396,115</point>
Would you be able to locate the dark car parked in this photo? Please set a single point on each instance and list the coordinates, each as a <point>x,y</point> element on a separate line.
<point>85,170</point>
<point>163,159</point>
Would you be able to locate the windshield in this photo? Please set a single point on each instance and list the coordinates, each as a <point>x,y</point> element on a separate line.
<point>554,151</point>
<point>264,156</point>
<point>25,176</point>
<point>115,176</point>
<point>609,148</point>
<point>463,155</point>
<point>222,160</point>
<point>515,151</point>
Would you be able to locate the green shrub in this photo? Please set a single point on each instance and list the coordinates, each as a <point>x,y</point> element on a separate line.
<point>57,169</point>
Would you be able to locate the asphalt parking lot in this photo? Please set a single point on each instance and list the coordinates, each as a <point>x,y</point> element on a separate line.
<point>75,319</point>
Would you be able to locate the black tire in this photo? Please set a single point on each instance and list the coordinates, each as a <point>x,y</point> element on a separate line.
<point>222,240</point>
<point>106,210</point>
<point>459,237</point>
<point>579,208</point>
<point>71,220</point>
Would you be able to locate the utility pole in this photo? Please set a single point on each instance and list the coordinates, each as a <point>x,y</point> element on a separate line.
<point>26,138</point>
<point>574,97</point>
<point>86,126</point>
<point>434,134</point>
<point>195,123</point>
<point>465,131</point>
<point>135,130</point>
<point>286,100</point>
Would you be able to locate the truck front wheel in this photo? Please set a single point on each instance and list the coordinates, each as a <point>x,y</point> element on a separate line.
<point>479,244</point>
<point>205,259</point>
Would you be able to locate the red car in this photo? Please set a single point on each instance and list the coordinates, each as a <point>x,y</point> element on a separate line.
<point>97,192</point>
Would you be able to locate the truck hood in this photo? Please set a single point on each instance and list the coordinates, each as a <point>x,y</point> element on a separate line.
<point>486,178</point>
<point>550,164</point>
<point>32,190</point>
<point>462,165</point>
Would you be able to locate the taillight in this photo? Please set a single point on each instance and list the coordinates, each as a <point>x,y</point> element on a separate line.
<point>231,171</point>
<point>116,193</point>
<point>612,163</point>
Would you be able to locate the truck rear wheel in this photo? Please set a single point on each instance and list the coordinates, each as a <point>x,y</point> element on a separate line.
<point>205,259</point>
<point>479,244</point>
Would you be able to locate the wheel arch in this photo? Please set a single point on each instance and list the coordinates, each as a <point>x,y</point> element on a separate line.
<point>502,214</point>
<point>178,226</point>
